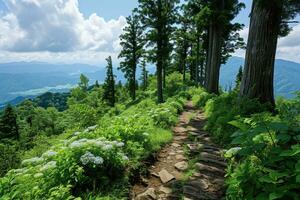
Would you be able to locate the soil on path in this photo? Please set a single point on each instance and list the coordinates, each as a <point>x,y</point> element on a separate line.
<point>190,167</point>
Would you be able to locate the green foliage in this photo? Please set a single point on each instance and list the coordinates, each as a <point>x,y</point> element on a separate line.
<point>224,108</point>
<point>266,163</point>
<point>84,82</point>
<point>132,42</point>
<point>8,124</point>
<point>109,85</point>
<point>200,96</point>
<point>49,99</point>
<point>9,156</point>
<point>95,163</point>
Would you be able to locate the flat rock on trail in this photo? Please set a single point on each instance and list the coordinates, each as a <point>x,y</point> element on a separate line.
<point>167,175</point>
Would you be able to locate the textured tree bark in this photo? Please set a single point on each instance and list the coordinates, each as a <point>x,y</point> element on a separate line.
<point>208,54</point>
<point>159,69</point>
<point>257,81</point>
<point>215,63</point>
<point>197,61</point>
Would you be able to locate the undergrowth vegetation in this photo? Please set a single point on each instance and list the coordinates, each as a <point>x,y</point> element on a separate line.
<point>264,148</point>
<point>99,161</point>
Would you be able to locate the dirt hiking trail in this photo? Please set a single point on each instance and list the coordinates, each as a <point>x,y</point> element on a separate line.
<point>189,168</point>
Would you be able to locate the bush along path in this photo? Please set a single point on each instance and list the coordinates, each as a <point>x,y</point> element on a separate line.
<point>191,167</point>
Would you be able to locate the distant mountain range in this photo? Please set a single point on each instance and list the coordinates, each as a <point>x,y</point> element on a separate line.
<point>287,76</point>
<point>21,80</point>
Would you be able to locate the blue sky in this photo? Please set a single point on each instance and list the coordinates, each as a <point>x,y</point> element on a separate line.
<point>110,9</point>
<point>85,31</point>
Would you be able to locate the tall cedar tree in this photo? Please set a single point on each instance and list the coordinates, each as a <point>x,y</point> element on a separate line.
<point>238,78</point>
<point>269,19</point>
<point>182,47</point>
<point>132,43</point>
<point>109,84</point>
<point>144,75</point>
<point>200,14</point>
<point>158,17</point>
<point>8,124</point>
<point>220,32</point>
<point>84,82</point>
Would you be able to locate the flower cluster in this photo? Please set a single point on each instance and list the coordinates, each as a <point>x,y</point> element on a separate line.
<point>100,142</point>
<point>49,165</point>
<point>88,157</point>
<point>49,154</point>
<point>32,161</point>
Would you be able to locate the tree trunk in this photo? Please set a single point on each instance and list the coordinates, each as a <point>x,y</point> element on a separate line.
<point>208,54</point>
<point>215,62</point>
<point>258,77</point>
<point>197,61</point>
<point>159,72</point>
<point>134,84</point>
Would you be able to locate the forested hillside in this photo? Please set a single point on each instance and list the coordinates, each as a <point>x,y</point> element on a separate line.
<point>175,134</point>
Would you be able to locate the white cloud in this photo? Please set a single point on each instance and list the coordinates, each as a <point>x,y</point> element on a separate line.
<point>55,28</point>
<point>288,47</point>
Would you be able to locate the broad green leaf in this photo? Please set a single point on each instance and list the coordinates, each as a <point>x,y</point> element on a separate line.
<point>276,195</point>
<point>298,178</point>
<point>240,125</point>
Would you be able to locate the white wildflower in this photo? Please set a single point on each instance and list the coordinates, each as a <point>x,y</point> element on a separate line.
<point>76,133</point>
<point>38,175</point>
<point>75,144</point>
<point>88,157</point>
<point>49,153</point>
<point>98,160</point>
<point>35,160</point>
<point>146,134</point>
<point>99,144</point>
<point>120,144</point>
<point>107,147</point>
<point>125,157</point>
<point>49,165</point>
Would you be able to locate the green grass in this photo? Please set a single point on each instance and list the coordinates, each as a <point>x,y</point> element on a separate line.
<point>159,137</point>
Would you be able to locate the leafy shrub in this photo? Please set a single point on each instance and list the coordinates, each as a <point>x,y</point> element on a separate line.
<point>200,97</point>
<point>97,159</point>
<point>224,108</point>
<point>77,165</point>
<point>268,159</point>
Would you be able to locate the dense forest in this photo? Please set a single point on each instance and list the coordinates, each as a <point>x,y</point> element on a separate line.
<point>99,140</point>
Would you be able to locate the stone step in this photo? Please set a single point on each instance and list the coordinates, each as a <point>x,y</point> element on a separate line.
<point>214,161</point>
<point>211,156</point>
<point>211,169</point>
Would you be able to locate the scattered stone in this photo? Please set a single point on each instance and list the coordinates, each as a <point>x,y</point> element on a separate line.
<point>193,147</point>
<point>211,156</point>
<point>179,138</point>
<point>176,145</point>
<point>200,183</point>
<point>180,157</point>
<point>172,153</point>
<point>210,160</point>
<point>179,129</point>
<point>180,151</point>
<point>144,181</point>
<point>181,166</point>
<point>194,134</point>
<point>155,174</point>
<point>149,194</point>
<point>165,176</point>
<point>165,190</point>
<point>211,169</point>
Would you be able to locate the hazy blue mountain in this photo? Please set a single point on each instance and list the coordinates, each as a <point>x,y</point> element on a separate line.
<point>286,81</point>
<point>22,79</point>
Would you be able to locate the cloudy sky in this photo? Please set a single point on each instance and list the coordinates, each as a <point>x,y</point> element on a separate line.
<point>83,31</point>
